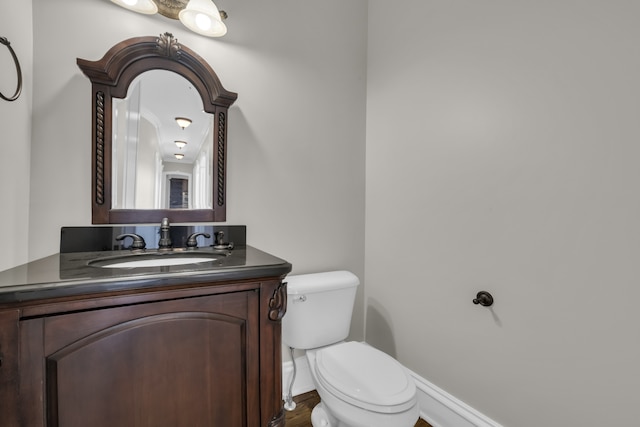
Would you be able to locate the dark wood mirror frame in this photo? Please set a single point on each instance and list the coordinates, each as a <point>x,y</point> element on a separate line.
<point>110,78</point>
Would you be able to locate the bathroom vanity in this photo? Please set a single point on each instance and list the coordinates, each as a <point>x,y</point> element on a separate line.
<point>195,344</point>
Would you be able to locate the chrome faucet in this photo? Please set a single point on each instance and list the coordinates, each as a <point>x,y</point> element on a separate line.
<point>164,244</point>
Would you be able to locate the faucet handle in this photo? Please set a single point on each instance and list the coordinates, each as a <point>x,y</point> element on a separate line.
<point>138,241</point>
<point>219,236</point>
<point>192,243</point>
<point>164,224</point>
<point>219,241</point>
<point>165,243</point>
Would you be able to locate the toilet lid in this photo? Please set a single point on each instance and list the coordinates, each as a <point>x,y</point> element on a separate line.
<point>365,377</point>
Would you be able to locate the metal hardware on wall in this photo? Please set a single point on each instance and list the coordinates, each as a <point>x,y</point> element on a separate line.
<point>483,298</point>
<point>15,96</point>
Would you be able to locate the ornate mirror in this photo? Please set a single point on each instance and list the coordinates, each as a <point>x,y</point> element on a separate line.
<point>147,164</point>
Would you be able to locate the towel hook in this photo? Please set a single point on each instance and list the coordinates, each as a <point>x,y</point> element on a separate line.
<point>483,298</point>
<point>15,96</point>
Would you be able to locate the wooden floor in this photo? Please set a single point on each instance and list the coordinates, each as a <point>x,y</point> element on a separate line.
<point>301,416</point>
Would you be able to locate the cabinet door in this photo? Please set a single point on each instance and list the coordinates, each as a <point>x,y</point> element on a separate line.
<point>190,362</point>
<point>9,367</point>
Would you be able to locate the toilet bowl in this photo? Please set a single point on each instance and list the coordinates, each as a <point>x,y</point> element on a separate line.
<point>359,386</point>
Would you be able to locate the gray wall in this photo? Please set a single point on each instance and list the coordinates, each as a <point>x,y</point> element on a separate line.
<point>15,133</point>
<point>502,155</point>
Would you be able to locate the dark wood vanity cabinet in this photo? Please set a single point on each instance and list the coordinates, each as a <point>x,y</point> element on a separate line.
<point>193,356</point>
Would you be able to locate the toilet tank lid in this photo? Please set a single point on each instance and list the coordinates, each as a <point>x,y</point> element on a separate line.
<point>320,282</point>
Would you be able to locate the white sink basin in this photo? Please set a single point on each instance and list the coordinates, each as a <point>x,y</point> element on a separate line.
<point>156,262</point>
<point>152,260</point>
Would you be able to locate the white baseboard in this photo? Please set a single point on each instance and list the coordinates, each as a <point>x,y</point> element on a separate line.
<point>440,409</point>
<point>437,407</point>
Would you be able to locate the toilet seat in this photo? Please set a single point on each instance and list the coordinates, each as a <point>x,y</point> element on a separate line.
<point>365,377</point>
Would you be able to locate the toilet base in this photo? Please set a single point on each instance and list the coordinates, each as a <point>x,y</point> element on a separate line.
<point>321,418</point>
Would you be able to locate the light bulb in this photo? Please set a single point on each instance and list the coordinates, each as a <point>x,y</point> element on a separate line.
<point>148,7</point>
<point>203,21</point>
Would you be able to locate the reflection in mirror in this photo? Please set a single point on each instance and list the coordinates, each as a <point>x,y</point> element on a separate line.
<point>156,163</point>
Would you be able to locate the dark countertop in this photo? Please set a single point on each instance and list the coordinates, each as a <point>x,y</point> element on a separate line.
<point>69,274</point>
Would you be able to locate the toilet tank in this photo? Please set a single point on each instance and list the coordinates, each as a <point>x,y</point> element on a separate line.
<point>319,308</point>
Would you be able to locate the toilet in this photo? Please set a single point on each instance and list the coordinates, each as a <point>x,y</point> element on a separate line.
<point>358,385</point>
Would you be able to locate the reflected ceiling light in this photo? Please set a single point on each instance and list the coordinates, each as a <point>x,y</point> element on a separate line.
<point>204,18</point>
<point>148,7</point>
<point>183,122</point>
<point>179,156</point>
<point>180,144</point>
<point>200,16</point>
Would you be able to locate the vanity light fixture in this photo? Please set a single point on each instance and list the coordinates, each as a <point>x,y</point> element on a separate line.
<point>180,144</point>
<point>204,18</point>
<point>183,122</point>
<point>200,16</point>
<point>179,156</point>
<point>148,7</point>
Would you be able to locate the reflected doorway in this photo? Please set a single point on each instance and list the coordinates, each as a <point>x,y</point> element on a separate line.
<point>178,193</point>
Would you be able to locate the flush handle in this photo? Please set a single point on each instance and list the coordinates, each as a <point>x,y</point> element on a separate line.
<point>483,298</point>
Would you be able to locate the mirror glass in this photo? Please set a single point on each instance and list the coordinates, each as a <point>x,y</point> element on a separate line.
<point>157,163</point>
